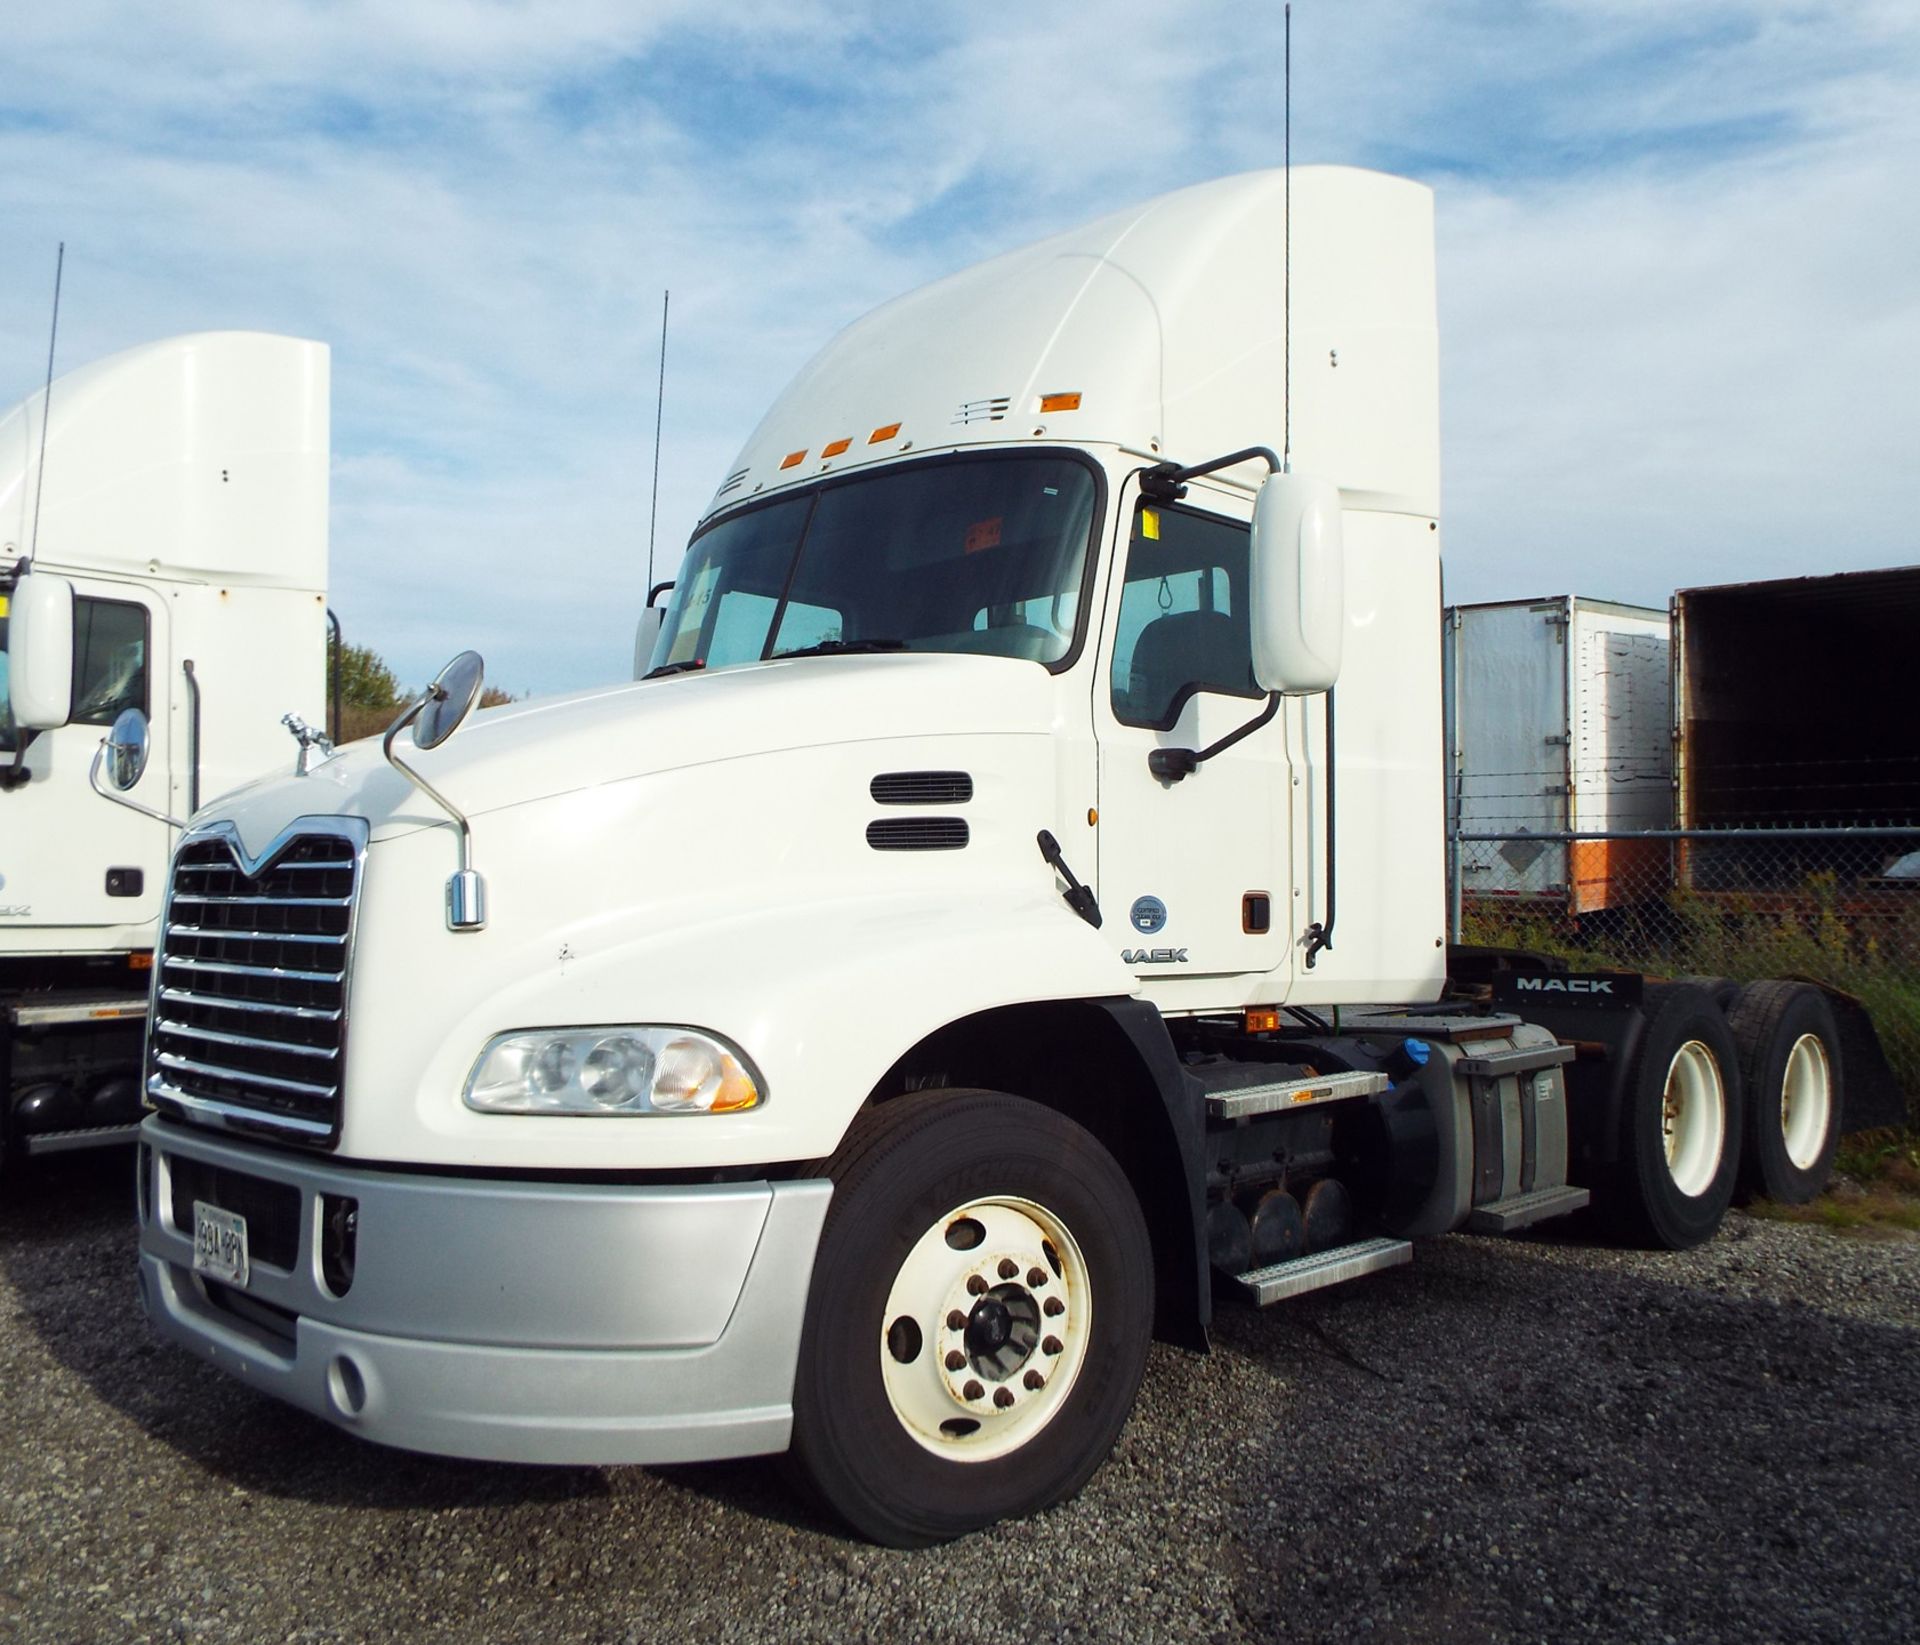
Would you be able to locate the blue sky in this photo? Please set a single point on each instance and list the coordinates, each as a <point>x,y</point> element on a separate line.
<point>1678,250</point>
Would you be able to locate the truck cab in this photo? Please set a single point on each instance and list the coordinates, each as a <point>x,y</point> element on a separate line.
<point>1010,908</point>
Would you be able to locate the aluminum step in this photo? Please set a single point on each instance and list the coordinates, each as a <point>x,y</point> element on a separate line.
<point>1310,1273</point>
<point>1522,1059</point>
<point>70,1142</point>
<point>58,1013</point>
<point>1507,1216</point>
<point>1245,1100</point>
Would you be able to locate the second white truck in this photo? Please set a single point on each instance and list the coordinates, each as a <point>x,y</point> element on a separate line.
<point>1011,908</point>
<point>166,524</point>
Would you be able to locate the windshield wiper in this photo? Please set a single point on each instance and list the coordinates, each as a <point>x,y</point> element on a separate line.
<point>665,669</point>
<point>840,648</point>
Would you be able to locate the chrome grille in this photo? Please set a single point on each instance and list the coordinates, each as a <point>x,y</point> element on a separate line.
<point>248,1030</point>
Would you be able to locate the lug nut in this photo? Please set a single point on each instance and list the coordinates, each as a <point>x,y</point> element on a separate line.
<point>955,1359</point>
<point>956,1321</point>
<point>1050,1346</point>
<point>1036,1277</point>
<point>976,1285</point>
<point>1008,1267</point>
<point>973,1390</point>
<point>1003,1397</point>
<point>1035,1381</point>
<point>1054,1307</point>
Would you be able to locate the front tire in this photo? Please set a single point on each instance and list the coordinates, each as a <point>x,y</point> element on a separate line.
<point>978,1325</point>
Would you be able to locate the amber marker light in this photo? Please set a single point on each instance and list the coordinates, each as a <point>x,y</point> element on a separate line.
<point>833,448</point>
<point>1060,402</point>
<point>1262,1019</point>
<point>140,960</point>
<point>793,459</point>
<point>885,431</point>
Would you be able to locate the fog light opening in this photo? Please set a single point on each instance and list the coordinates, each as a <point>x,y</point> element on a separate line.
<point>339,1241</point>
<point>346,1387</point>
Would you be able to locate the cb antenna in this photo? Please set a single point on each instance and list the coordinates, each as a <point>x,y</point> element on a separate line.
<point>1286,274</point>
<point>659,405</point>
<point>46,400</point>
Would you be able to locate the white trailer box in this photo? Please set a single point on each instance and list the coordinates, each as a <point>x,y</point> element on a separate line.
<point>1558,722</point>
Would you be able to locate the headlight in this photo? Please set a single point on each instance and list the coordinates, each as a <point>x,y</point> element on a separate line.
<point>627,1070</point>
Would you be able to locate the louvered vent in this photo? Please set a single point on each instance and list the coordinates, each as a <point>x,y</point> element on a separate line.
<point>249,1021</point>
<point>733,482</point>
<point>982,411</point>
<point>917,833</point>
<point>922,788</point>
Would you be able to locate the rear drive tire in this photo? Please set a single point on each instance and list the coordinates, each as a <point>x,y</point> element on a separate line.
<point>979,1318</point>
<point>1680,1124</point>
<point>1790,1063</point>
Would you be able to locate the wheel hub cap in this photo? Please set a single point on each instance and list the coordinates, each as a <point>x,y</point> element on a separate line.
<point>986,1328</point>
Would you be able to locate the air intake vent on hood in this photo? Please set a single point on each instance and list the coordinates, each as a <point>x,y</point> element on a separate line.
<point>922,788</point>
<point>917,833</point>
<point>982,411</point>
<point>732,482</point>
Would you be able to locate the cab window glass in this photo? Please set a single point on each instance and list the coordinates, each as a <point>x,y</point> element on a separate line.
<point>110,660</point>
<point>1183,616</point>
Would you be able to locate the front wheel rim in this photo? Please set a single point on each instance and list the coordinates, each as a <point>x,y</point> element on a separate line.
<point>1693,1118</point>
<point>1806,1101</point>
<point>985,1328</point>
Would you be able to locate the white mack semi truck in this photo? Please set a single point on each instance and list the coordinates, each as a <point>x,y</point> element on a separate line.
<point>1011,908</point>
<point>163,548</point>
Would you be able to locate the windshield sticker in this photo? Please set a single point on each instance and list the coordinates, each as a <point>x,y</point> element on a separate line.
<point>1150,524</point>
<point>984,534</point>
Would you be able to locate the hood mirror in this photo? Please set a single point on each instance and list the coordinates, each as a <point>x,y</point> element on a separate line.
<point>450,699</point>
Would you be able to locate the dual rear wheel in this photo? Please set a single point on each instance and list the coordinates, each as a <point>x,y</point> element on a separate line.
<point>1746,1100</point>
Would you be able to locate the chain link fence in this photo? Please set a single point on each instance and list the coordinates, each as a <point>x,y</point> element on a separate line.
<point>1836,903</point>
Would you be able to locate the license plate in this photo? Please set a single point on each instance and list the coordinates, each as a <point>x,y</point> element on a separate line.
<point>219,1243</point>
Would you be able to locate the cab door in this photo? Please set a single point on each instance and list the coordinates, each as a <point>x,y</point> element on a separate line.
<point>1194,873</point>
<point>69,858</point>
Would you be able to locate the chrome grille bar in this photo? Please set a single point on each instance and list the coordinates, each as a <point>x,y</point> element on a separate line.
<point>186,1065</point>
<point>213,1002</point>
<point>216,1036</point>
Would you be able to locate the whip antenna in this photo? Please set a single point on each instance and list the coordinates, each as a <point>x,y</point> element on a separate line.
<point>1286,275</point>
<point>46,400</point>
<point>659,405</point>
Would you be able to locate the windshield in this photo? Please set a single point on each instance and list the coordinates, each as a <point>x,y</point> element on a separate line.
<point>979,554</point>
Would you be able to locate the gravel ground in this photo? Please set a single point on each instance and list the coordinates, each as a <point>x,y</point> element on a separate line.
<point>1509,1440</point>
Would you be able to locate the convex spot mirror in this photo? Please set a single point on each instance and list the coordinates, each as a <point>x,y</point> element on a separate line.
<point>40,651</point>
<point>1298,599</point>
<point>450,699</point>
<point>127,747</point>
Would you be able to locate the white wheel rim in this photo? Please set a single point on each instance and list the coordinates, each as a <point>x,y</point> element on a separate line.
<point>1806,1101</point>
<point>958,1394</point>
<point>1693,1118</point>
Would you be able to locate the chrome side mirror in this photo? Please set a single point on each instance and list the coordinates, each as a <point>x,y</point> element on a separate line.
<point>127,747</point>
<point>435,717</point>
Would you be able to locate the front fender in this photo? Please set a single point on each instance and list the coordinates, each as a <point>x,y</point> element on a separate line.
<point>823,995</point>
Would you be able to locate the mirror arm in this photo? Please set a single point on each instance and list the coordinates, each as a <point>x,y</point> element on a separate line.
<point>16,774</point>
<point>466,891</point>
<point>1320,933</point>
<point>105,793</point>
<point>1167,482</point>
<point>1171,764</point>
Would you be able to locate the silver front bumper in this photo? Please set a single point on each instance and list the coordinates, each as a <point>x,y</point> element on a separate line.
<point>506,1320</point>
